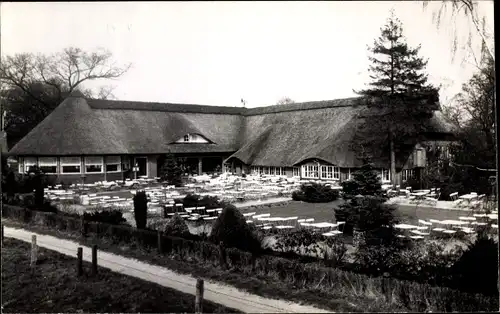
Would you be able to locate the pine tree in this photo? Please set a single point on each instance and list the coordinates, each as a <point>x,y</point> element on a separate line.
<point>171,171</point>
<point>365,181</point>
<point>398,98</point>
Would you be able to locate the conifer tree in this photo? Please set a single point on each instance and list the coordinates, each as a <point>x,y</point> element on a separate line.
<point>399,100</point>
<point>365,181</point>
<point>171,171</point>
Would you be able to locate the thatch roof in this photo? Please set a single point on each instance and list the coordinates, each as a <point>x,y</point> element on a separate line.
<point>316,130</point>
<point>283,135</point>
<point>80,126</point>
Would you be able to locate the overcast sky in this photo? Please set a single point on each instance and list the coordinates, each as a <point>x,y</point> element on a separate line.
<point>216,53</point>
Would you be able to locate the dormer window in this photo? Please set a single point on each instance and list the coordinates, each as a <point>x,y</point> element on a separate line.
<point>192,138</point>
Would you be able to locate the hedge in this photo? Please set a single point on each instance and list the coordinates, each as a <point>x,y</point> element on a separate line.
<point>413,296</point>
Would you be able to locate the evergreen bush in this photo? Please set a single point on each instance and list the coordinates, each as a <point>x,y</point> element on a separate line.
<point>141,209</point>
<point>315,193</point>
<point>231,229</point>
<point>112,217</point>
<point>209,202</point>
<point>365,181</point>
<point>177,227</point>
<point>171,171</point>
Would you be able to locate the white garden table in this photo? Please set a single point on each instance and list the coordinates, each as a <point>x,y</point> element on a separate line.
<point>467,218</point>
<point>468,197</point>
<point>405,226</point>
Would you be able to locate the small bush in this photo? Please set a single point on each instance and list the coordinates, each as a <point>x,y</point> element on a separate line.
<point>112,217</point>
<point>368,213</point>
<point>177,227</point>
<point>209,202</point>
<point>375,260</point>
<point>335,252</point>
<point>315,193</point>
<point>231,229</point>
<point>141,209</point>
<point>298,196</point>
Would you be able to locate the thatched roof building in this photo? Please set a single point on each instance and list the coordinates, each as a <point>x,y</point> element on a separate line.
<point>281,136</point>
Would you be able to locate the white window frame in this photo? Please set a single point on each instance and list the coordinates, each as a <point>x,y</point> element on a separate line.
<point>90,162</point>
<point>20,165</point>
<point>326,172</point>
<point>330,172</point>
<point>295,172</point>
<point>44,162</point>
<point>64,161</point>
<point>117,162</point>
<point>385,173</point>
<point>309,170</point>
<point>280,171</point>
<point>336,173</point>
<point>406,174</point>
<point>29,162</point>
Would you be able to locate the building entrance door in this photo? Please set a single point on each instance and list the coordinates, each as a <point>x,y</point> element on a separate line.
<point>142,163</point>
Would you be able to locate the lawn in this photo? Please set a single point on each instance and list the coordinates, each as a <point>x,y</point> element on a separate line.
<point>55,288</point>
<point>325,211</point>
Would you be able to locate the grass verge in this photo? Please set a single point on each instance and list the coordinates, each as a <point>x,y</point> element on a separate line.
<point>54,287</point>
<point>265,286</point>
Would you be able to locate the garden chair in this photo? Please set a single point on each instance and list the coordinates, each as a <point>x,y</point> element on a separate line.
<point>189,209</point>
<point>454,196</point>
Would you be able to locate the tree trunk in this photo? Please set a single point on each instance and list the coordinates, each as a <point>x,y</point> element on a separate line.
<point>393,162</point>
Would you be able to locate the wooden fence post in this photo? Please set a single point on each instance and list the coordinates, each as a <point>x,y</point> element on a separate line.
<point>94,259</point>
<point>198,305</point>
<point>159,243</point>
<point>222,255</point>
<point>83,226</point>
<point>387,289</point>
<point>33,252</point>
<point>79,263</point>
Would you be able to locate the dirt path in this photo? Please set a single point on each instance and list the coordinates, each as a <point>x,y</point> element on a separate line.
<point>219,293</point>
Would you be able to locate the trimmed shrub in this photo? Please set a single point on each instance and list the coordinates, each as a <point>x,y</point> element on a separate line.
<point>141,209</point>
<point>112,217</point>
<point>298,196</point>
<point>231,229</point>
<point>315,193</point>
<point>209,202</point>
<point>177,227</point>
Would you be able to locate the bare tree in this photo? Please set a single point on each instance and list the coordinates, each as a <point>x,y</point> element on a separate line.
<point>468,9</point>
<point>285,101</point>
<point>32,86</point>
<point>106,92</point>
<point>64,72</point>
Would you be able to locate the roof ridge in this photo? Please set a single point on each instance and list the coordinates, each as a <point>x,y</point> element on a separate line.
<point>208,109</point>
